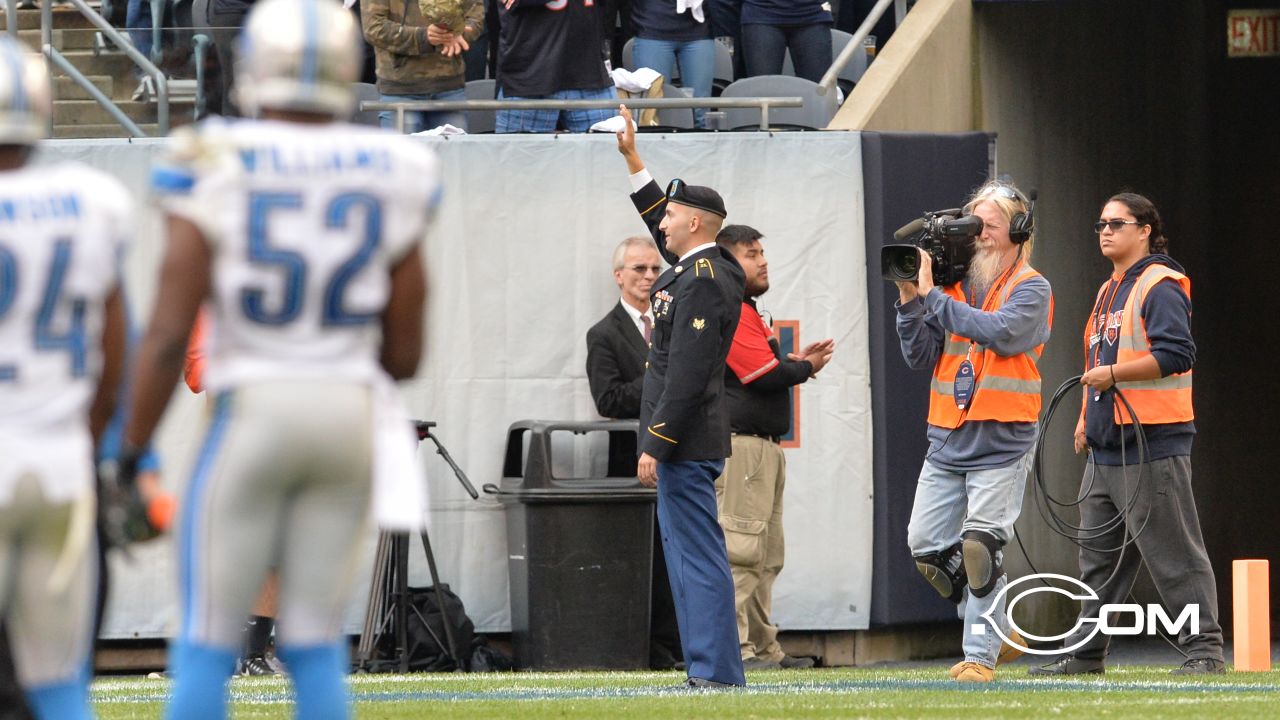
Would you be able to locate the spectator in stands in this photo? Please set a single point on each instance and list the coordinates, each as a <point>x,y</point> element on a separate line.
<point>757,392</point>
<point>552,50</point>
<point>224,18</point>
<point>771,27</point>
<point>666,35</point>
<point>420,58</point>
<point>616,350</point>
<point>138,22</point>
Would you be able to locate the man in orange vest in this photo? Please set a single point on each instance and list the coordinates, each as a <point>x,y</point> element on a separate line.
<point>983,337</point>
<point>1138,341</point>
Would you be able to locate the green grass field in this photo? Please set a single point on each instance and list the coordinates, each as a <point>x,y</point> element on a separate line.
<point>1125,692</point>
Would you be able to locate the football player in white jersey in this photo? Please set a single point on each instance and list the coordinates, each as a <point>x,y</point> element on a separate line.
<point>302,233</point>
<point>62,231</point>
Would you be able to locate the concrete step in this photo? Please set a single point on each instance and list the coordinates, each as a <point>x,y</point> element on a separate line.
<point>65,89</point>
<point>64,17</point>
<point>113,65</point>
<point>62,39</point>
<point>89,112</point>
<point>112,130</point>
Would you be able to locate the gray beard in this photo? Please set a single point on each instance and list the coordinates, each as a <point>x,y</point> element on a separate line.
<point>983,271</point>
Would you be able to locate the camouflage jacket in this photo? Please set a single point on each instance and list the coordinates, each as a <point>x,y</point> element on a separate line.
<point>406,64</point>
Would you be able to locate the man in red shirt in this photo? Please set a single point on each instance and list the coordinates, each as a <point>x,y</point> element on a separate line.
<point>749,493</point>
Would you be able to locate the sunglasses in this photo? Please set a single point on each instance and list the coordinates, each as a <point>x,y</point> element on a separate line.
<point>1005,191</point>
<point>674,188</point>
<point>1115,225</point>
<point>642,269</point>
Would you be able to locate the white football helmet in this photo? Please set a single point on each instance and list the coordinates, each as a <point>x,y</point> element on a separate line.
<point>298,55</point>
<point>26,97</point>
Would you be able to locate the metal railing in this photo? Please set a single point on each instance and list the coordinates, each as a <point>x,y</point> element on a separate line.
<point>764,103</point>
<point>11,18</point>
<point>57,59</point>
<point>828,82</point>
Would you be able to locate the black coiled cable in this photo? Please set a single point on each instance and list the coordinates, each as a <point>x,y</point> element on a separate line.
<point>1048,505</point>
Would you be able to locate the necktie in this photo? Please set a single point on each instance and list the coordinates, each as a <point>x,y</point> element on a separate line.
<point>648,327</point>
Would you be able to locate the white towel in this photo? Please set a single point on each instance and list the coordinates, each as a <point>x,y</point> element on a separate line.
<point>399,484</point>
<point>445,129</point>
<point>634,82</point>
<point>614,124</point>
<point>693,6</point>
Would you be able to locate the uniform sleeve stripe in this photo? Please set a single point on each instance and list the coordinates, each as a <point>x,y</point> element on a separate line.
<point>651,207</point>
<point>773,363</point>
<point>664,437</point>
<point>172,180</point>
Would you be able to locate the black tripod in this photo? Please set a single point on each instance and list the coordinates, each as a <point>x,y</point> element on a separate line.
<point>389,601</point>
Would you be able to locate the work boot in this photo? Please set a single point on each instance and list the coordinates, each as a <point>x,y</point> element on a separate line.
<point>1008,653</point>
<point>1012,650</point>
<point>796,663</point>
<point>972,672</point>
<point>756,662</point>
<point>1069,665</point>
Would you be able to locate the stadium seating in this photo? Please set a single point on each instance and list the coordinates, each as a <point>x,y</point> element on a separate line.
<point>850,74</point>
<point>366,92</point>
<point>815,114</point>
<point>481,121</point>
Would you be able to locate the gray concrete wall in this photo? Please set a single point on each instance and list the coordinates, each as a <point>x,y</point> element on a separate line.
<point>923,78</point>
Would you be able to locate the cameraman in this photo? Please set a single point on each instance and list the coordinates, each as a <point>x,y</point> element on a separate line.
<point>982,336</point>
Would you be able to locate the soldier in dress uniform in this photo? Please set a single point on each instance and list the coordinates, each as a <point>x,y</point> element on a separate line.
<point>684,425</point>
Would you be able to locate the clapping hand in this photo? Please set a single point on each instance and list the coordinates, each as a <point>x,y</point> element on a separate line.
<point>817,354</point>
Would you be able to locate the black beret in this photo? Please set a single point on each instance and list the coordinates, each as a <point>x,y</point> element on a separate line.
<point>696,196</point>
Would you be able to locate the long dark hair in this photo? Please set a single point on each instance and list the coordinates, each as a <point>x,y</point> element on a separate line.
<point>1145,212</point>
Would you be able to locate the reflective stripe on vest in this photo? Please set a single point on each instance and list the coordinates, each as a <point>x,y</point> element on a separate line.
<point>1161,400</point>
<point>1007,389</point>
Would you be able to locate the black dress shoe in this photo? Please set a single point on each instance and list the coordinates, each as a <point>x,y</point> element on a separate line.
<point>695,683</point>
<point>1069,665</point>
<point>1200,666</point>
<point>663,659</point>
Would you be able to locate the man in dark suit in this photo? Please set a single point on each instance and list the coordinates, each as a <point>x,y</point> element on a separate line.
<point>616,350</point>
<point>684,426</point>
<point>618,345</point>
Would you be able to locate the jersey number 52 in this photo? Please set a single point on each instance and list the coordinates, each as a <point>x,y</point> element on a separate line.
<point>338,214</point>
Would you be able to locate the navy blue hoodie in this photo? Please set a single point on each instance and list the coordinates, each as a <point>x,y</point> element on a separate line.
<point>1167,314</point>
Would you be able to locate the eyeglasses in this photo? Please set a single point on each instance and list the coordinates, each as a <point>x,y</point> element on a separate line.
<point>642,269</point>
<point>1115,225</point>
<point>674,188</point>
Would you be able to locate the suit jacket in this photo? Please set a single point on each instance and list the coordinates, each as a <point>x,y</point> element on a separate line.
<point>615,364</point>
<point>696,306</point>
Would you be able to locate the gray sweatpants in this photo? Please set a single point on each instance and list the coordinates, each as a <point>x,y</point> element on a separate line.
<point>283,480</point>
<point>1169,542</point>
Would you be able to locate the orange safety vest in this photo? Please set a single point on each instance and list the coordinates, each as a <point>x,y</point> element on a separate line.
<point>1159,401</point>
<point>1007,388</point>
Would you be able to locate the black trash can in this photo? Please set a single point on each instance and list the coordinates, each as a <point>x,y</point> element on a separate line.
<point>580,548</point>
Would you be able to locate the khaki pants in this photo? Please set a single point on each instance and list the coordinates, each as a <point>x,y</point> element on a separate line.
<point>749,499</point>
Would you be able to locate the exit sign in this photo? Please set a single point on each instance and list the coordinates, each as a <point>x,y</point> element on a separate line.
<point>1253,33</point>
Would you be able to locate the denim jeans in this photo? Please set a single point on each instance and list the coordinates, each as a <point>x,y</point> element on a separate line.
<point>546,121</point>
<point>697,62</point>
<point>137,20</point>
<point>419,121</point>
<point>948,503</point>
<point>765,45</point>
